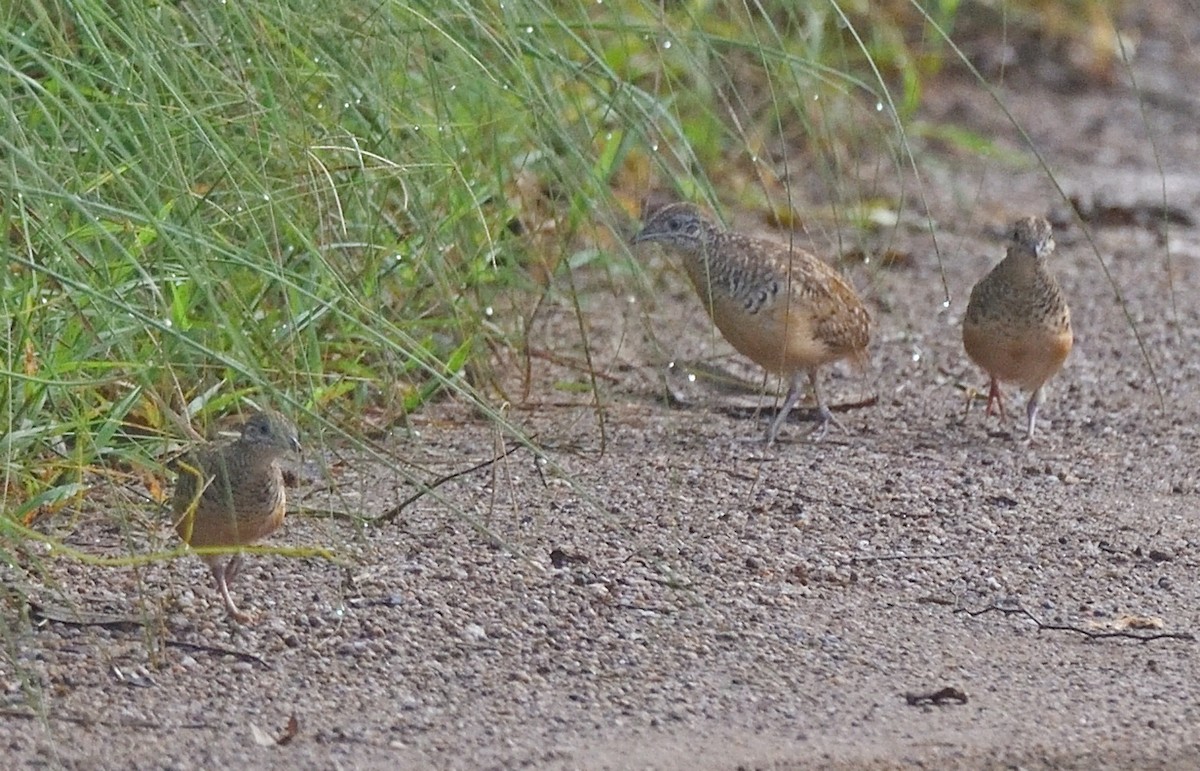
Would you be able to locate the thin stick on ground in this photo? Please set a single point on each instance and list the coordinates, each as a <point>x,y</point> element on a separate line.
<point>1094,634</point>
<point>395,511</point>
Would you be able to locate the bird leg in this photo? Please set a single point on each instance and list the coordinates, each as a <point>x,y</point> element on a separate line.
<point>789,401</point>
<point>824,414</point>
<point>1031,411</point>
<point>232,566</point>
<point>221,576</point>
<point>995,397</point>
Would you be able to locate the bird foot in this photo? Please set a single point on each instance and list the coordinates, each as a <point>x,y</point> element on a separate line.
<point>242,617</point>
<point>824,416</point>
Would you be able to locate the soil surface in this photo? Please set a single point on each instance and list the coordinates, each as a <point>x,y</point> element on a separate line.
<point>656,589</point>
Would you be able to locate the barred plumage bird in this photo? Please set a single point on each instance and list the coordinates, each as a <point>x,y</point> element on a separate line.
<point>780,306</point>
<point>1017,327</point>
<point>232,494</point>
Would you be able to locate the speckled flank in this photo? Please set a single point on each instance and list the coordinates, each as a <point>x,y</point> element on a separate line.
<point>784,308</point>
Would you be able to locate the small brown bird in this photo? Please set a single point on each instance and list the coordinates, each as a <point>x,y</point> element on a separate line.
<point>232,494</point>
<point>780,306</point>
<point>1018,326</point>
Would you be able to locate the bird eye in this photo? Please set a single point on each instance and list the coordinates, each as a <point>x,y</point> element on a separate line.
<point>675,224</point>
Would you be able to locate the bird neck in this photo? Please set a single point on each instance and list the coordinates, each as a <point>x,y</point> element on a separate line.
<point>256,456</point>
<point>1022,265</point>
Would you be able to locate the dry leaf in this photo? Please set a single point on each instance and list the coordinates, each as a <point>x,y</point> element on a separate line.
<point>1139,622</point>
<point>289,733</point>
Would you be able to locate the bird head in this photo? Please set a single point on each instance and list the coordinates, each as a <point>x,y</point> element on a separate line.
<point>1033,234</point>
<point>271,429</point>
<point>678,225</point>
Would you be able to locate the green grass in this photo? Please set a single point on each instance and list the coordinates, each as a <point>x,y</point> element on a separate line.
<point>316,206</point>
<point>336,208</point>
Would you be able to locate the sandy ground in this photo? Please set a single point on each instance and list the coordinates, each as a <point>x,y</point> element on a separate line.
<point>667,593</point>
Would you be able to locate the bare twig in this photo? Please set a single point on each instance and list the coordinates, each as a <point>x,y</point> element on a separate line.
<point>127,623</point>
<point>395,511</point>
<point>1094,634</point>
<point>88,721</point>
<point>219,650</point>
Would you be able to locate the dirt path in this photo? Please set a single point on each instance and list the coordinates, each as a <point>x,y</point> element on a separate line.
<point>688,599</point>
